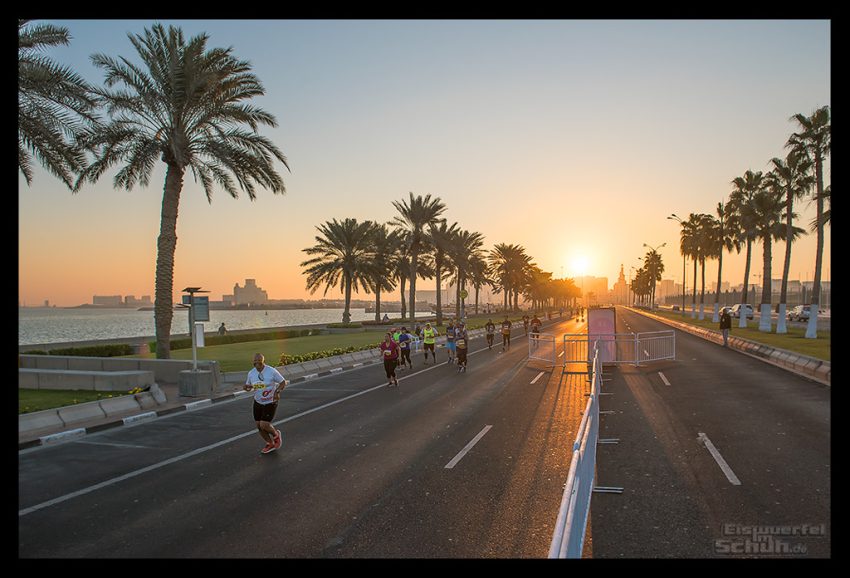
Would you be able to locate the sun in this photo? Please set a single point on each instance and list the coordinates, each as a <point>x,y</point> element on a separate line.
<point>579,264</point>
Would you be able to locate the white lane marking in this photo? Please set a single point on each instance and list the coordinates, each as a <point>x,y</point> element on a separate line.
<point>560,354</point>
<point>730,475</point>
<point>198,451</point>
<point>468,447</point>
<point>538,377</point>
<point>664,379</point>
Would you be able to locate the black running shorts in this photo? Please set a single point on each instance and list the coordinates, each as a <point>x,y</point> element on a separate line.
<point>264,412</point>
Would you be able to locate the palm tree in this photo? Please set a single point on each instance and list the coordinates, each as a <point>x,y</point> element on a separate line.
<point>765,213</point>
<point>415,217</point>
<point>53,104</point>
<point>722,239</point>
<point>704,251</point>
<point>344,257</point>
<point>654,268</point>
<point>186,107</point>
<point>385,246</point>
<point>690,247</point>
<point>478,274</point>
<point>509,270</point>
<point>814,139</point>
<point>792,176</point>
<point>441,238</point>
<point>740,199</point>
<point>466,247</point>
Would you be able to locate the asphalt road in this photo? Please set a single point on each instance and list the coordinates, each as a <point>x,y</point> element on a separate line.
<point>448,465</point>
<point>770,428</point>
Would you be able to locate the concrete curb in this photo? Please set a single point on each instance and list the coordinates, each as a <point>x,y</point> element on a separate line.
<point>809,367</point>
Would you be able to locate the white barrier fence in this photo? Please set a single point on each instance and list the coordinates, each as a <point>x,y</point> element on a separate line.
<point>618,348</point>
<point>570,526</point>
<point>543,347</point>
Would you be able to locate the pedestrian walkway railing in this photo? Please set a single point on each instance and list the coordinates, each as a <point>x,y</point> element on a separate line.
<point>543,347</point>
<point>571,524</point>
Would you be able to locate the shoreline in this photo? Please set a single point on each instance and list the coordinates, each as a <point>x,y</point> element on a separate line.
<point>144,340</point>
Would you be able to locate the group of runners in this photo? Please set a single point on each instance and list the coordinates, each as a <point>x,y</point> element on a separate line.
<point>267,383</point>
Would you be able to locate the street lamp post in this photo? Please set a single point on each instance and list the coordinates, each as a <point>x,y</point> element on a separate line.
<point>673,216</point>
<point>652,278</point>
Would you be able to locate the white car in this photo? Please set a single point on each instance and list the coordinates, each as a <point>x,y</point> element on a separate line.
<point>735,311</point>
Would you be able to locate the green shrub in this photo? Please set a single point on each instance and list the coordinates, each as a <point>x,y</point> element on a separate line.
<point>286,359</point>
<point>113,350</point>
<point>345,325</point>
<point>186,342</point>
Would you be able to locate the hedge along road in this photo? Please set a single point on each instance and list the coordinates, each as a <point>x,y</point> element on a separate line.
<point>362,472</point>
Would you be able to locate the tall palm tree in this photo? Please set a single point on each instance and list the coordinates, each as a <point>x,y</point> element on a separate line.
<point>186,106</point>
<point>814,139</point>
<point>385,246</point>
<point>478,276</point>
<point>690,247</point>
<point>721,238</point>
<point>416,216</point>
<point>54,104</point>
<point>442,237</point>
<point>654,268</point>
<point>740,199</point>
<point>509,265</point>
<point>344,257</point>
<point>793,176</point>
<point>765,212</point>
<point>466,247</point>
<point>705,250</point>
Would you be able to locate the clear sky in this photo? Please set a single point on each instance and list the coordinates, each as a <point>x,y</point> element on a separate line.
<point>573,138</point>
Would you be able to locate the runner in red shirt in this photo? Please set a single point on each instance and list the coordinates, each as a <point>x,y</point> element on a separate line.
<point>390,352</point>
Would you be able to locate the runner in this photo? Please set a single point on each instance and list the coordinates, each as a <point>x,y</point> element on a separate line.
<point>429,338</point>
<point>450,341</point>
<point>490,328</point>
<point>462,343</point>
<point>404,340</point>
<point>525,323</point>
<point>506,334</point>
<point>390,353</point>
<point>535,330</point>
<point>267,383</point>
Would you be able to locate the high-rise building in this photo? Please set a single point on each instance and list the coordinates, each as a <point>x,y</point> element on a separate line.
<point>620,292</point>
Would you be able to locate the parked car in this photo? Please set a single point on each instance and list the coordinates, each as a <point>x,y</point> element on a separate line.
<point>799,313</point>
<point>735,311</point>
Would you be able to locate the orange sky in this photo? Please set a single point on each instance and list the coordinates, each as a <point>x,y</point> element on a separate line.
<point>576,140</point>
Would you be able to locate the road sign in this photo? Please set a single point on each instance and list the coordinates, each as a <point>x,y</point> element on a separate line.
<point>464,293</point>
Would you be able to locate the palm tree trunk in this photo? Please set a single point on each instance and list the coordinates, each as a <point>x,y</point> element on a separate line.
<point>414,262</point>
<point>765,323</point>
<point>166,245</point>
<point>694,296</point>
<point>742,321</point>
<point>702,292</point>
<point>346,313</point>
<point>783,291</point>
<point>378,303</point>
<point>812,328</point>
<point>403,302</point>
<point>716,317</point>
<point>439,297</point>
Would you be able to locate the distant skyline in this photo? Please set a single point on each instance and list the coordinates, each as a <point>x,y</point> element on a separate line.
<point>573,138</point>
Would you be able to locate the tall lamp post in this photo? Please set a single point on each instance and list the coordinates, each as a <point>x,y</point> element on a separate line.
<point>673,216</point>
<point>653,250</point>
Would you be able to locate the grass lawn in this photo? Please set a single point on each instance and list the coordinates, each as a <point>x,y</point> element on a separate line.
<point>794,340</point>
<point>238,356</point>
<point>30,400</point>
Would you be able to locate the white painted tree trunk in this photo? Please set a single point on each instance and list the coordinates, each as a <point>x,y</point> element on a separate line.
<point>812,327</point>
<point>715,318</point>
<point>781,325</point>
<point>765,323</point>
<point>742,320</point>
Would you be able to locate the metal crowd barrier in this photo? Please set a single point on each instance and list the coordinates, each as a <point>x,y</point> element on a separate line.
<point>570,526</point>
<point>543,347</point>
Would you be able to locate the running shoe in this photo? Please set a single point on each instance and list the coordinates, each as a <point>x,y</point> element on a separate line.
<point>268,449</point>
<point>278,439</point>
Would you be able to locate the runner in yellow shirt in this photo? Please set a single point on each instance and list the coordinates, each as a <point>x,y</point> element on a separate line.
<point>429,339</point>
